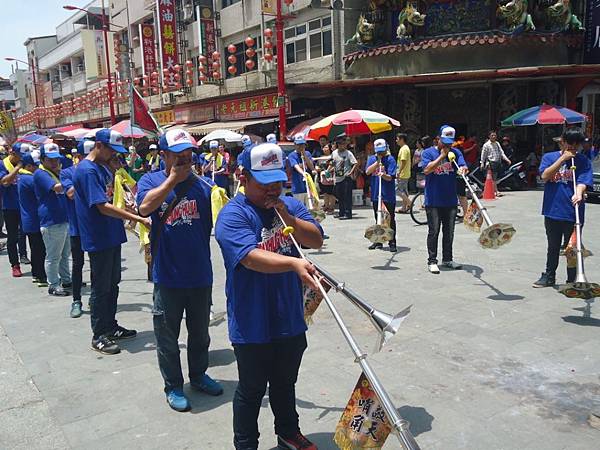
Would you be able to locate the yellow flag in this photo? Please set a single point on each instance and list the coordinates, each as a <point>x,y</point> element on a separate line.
<point>218,199</point>
<point>121,178</point>
<point>313,187</point>
<point>363,424</point>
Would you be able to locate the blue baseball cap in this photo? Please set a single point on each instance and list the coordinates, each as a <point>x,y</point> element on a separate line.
<point>265,162</point>
<point>85,147</point>
<point>176,140</point>
<point>447,134</point>
<point>111,138</point>
<point>50,151</point>
<point>380,146</point>
<point>271,138</point>
<point>29,160</point>
<point>299,139</point>
<point>246,141</point>
<point>213,144</point>
<point>21,148</point>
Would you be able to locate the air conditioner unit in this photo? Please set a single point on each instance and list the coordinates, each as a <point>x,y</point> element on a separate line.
<point>178,94</point>
<point>166,99</point>
<point>65,67</point>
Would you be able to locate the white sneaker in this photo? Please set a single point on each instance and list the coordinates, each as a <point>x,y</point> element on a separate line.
<point>433,268</point>
<point>452,265</point>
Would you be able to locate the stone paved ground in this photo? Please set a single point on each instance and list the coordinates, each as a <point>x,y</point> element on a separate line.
<point>483,362</point>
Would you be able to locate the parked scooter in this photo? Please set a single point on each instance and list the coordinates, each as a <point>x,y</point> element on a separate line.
<point>512,177</point>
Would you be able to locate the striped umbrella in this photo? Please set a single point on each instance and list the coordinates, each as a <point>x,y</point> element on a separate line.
<point>544,115</point>
<point>124,127</point>
<point>351,123</point>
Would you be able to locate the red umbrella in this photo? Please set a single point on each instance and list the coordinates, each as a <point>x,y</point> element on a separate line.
<point>302,128</point>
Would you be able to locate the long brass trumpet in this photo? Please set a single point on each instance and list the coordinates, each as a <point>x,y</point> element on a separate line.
<point>496,234</point>
<point>581,287</point>
<point>387,326</point>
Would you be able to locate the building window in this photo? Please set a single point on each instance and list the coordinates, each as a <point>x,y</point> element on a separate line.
<point>307,41</point>
<point>226,3</point>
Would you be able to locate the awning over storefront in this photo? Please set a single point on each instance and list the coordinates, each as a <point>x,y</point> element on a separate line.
<point>237,126</point>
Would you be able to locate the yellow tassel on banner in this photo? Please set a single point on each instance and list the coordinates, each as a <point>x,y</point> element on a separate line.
<point>313,188</point>
<point>363,424</point>
<point>218,199</point>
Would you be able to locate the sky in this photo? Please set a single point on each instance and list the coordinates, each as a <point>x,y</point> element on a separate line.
<point>22,19</point>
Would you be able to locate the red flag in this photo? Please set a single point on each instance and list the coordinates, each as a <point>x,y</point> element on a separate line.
<point>142,117</point>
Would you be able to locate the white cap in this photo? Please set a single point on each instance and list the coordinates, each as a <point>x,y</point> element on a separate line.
<point>380,145</point>
<point>176,140</point>
<point>213,144</point>
<point>153,147</point>
<point>132,148</point>
<point>447,134</point>
<point>271,138</point>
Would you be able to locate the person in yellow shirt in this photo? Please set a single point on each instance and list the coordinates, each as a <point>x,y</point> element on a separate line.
<point>403,176</point>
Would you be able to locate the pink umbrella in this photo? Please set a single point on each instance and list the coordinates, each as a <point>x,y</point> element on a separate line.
<point>124,127</point>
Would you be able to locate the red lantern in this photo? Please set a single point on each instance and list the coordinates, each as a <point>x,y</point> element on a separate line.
<point>268,45</point>
<point>178,85</point>
<point>268,32</point>
<point>268,57</point>
<point>176,67</point>
<point>232,59</point>
<point>188,73</point>
<point>232,70</point>
<point>216,75</point>
<point>216,65</point>
<point>216,56</point>
<point>155,90</point>
<point>250,52</point>
<point>202,59</point>
<point>154,75</point>
<point>189,64</point>
<point>201,68</point>
<point>202,78</point>
<point>231,49</point>
<point>288,2</point>
<point>189,82</point>
<point>249,42</point>
<point>176,76</point>
<point>145,92</point>
<point>250,64</point>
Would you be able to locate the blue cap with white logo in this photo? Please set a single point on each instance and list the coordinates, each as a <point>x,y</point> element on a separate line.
<point>176,140</point>
<point>50,151</point>
<point>265,162</point>
<point>111,138</point>
<point>85,147</point>
<point>299,139</point>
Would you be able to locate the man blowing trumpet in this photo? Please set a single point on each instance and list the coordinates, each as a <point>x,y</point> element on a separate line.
<point>264,295</point>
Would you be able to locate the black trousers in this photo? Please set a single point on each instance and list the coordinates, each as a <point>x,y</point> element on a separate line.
<point>557,232</point>
<point>105,268</point>
<point>276,364</point>
<point>391,207</point>
<point>38,255</point>
<point>343,192</point>
<point>78,258</point>
<point>444,218</point>
<point>12,219</point>
<point>167,313</point>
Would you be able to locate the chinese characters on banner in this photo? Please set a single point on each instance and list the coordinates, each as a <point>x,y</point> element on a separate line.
<point>148,53</point>
<point>167,28</point>
<point>207,34</point>
<point>363,424</point>
<point>164,117</point>
<point>249,107</point>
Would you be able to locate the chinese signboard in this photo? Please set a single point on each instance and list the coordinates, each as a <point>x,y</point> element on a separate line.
<point>363,424</point>
<point>206,33</point>
<point>164,117</point>
<point>167,37</point>
<point>268,6</point>
<point>249,107</point>
<point>193,114</point>
<point>591,46</point>
<point>148,53</point>
<point>94,53</point>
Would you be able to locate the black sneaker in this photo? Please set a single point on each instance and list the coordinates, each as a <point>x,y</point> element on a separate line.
<point>24,260</point>
<point>393,248</point>
<point>544,281</point>
<point>57,292</point>
<point>297,442</point>
<point>122,333</point>
<point>105,345</point>
<point>375,245</point>
<point>67,285</point>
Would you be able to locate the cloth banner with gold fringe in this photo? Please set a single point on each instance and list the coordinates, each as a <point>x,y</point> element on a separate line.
<point>121,196</point>
<point>363,424</point>
<point>313,188</point>
<point>571,251</point>
<point>473,218</point>
<point>312,300</point>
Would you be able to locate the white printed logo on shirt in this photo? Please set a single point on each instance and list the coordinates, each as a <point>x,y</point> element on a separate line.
<point>183,213</point>
<point>273,239</point>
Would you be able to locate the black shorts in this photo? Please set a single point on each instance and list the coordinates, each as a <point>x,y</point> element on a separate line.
<point>461,187</point>
<point>326,188</point>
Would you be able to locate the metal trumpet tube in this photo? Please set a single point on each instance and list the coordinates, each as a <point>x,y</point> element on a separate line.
<point>482,209</point>
<point>399,425</point>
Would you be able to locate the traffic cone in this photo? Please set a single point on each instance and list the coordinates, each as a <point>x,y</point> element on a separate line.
<point>489,190</point>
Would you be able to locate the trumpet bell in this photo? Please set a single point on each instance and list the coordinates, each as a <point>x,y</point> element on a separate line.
<point>581,289</point>
<point>387,325</point>
<point>496,235</point>
<point>379,234</point>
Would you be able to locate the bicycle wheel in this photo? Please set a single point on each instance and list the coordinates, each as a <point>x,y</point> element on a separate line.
<point>417,209</point>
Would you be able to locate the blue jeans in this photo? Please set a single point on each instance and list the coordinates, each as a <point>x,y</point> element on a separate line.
<point>277,364</point>
<point>169,305</point>
<point>105,273</point>
<point>58,250</point>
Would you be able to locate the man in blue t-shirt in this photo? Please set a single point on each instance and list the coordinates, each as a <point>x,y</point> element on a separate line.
<point>84,147</point>
<point>560,199</point>
<point>102,232</point>
<point>54,225</point>
<point>215,165</point>
<point>30,221</point>
<point>9,172</point>
<point>265,307</point>
<point>182,270</point>
<point>300,161</point>
<point>383,165</point>
<point>441,197</point>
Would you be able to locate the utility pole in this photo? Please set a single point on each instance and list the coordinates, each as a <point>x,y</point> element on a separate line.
<point>281,94</point>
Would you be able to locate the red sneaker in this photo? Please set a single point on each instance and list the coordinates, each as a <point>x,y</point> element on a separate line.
<point>296,442</point>
<point>16,272</point>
